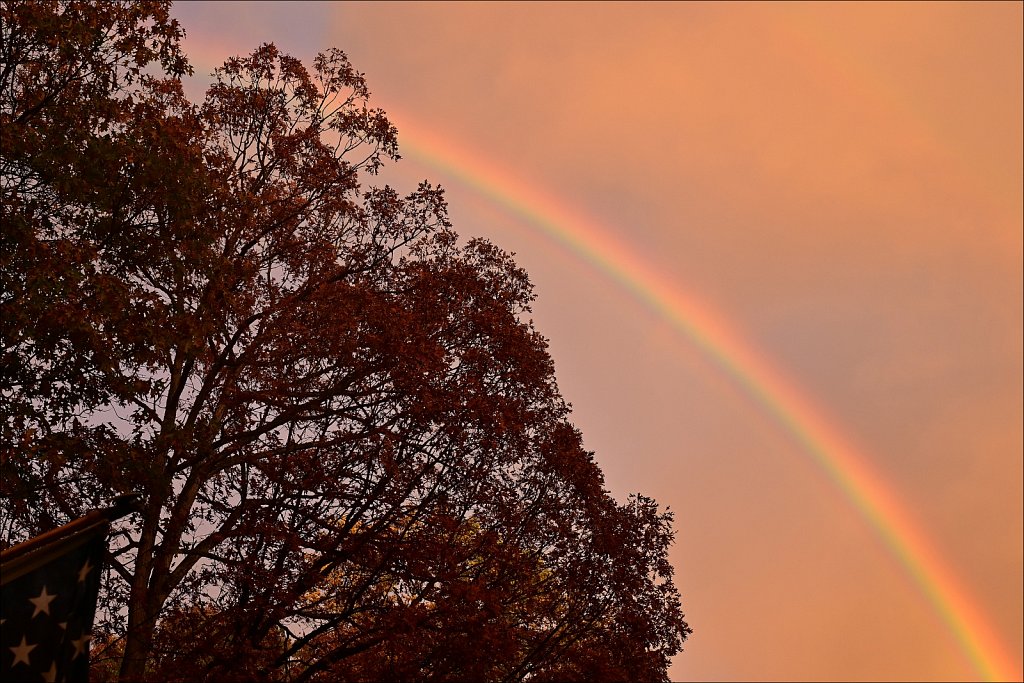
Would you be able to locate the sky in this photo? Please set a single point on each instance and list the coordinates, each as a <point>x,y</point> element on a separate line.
<point>777,251</point>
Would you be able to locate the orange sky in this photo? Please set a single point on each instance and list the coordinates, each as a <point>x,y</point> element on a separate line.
<point>843,184</point>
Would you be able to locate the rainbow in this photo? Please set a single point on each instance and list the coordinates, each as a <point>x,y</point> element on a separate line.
<point>778,395</point>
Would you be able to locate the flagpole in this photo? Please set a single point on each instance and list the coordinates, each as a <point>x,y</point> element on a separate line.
<point>26,556</point>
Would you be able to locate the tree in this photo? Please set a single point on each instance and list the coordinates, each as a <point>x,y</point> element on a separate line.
<point>352,451</point>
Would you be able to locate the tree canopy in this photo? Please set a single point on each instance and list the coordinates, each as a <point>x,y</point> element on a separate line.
<point>353,457</point>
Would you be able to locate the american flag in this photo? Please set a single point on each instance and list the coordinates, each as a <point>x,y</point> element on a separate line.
<point>49,589</point>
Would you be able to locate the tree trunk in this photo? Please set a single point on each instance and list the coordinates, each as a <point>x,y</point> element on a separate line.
<point>141,614</point>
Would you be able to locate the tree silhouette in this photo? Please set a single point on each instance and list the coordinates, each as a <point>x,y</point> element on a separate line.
<point>353,456</point>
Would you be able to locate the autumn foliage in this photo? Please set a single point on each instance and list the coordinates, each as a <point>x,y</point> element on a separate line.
<point>353,457</point>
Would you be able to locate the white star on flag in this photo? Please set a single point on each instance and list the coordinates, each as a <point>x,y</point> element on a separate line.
<point>84,571</point>
<point>81,644</point>
<point>42,602</point>
<point>21,652</point>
